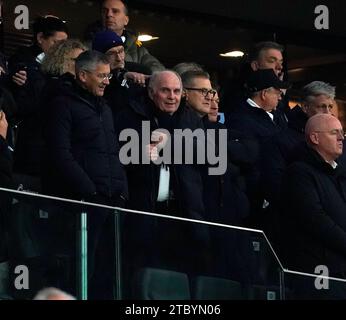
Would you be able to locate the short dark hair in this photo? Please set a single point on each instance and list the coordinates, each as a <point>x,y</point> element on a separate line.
<point>88,60</point>
<point>123,2</point>
<point>188,76</point>
<point>262,46</point>
<point>48,25</point>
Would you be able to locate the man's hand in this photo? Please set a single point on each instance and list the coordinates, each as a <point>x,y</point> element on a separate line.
<point>3,125</point>
<point>20,78</point>
<point>136,77</point>
<point>151,152</point>
<point>2,71</point>
<point>159,138</point>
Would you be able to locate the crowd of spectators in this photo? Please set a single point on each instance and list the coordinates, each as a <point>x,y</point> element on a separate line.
<point>65,102</point>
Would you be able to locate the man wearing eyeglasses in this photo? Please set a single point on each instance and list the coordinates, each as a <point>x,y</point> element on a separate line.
<point>313,222</point>
<point>129,78</point>
<point>82,153</point>
<point>167,188</point>
<point>198,91</point>
<point>81,120</point>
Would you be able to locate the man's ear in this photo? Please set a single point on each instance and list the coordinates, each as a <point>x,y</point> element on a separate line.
<point>39,37</point>
<point>263,94</point>
<point>127,20</point>
<point>184,94</point>
<point>305,108</point>
<point>82,76</point>
<point>314,138</point>
<point>254,65</point>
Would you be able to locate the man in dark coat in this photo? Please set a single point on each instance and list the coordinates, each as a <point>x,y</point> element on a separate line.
<point>167,188</point>
<point>82,154</point>
<point>263,55</point>
<point>313,220</point>
<point>82,151</point>
<point>256,120</point>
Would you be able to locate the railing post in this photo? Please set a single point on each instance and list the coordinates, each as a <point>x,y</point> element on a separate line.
<point>117,257</point>
<point>82,256</point>
<point>282,285</point>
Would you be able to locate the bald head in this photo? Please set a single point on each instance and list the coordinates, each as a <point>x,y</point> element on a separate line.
<point>324,133</point>
<point>52,293</point>
<point>318,122</point>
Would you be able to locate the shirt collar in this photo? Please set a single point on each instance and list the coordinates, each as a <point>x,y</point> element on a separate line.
<point>255,105</point>
<point>333,164</point>
<point>40,57</point>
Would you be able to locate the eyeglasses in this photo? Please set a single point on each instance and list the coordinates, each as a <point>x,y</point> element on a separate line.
<point>102,76</point>
<point>204,91</point>
<point>333,132</point>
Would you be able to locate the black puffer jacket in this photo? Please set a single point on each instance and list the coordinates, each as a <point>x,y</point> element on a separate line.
<point>81,154</point>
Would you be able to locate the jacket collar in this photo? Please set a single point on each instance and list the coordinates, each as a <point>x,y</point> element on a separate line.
<point>313,157</point>
<point>84,95</point>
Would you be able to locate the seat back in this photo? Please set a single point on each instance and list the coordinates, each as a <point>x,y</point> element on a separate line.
<point>159,284</point>
<point>211,288</point>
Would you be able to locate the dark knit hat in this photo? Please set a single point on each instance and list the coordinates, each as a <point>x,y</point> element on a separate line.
<point>105,40</point>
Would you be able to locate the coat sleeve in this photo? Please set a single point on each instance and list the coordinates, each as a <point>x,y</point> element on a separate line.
<point>302,206</point>
<point>5,165</point>
<point>57,132</point>
<point>144,58</point>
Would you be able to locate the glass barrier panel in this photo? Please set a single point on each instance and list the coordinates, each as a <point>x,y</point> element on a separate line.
<point>168,259</point>
<point>51,242</point>
<point>99,252</point>
<point>318,286</point>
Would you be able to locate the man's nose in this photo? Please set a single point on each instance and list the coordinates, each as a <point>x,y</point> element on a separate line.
<point>171,95</point>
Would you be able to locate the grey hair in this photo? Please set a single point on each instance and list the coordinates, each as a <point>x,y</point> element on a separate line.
<point>88,60</point>
<point>155,77</point>
<point>48,293</point>
<point>317,88</point>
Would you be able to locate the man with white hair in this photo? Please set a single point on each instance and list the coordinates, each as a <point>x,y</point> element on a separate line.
<point>313,222</point>
<point>168,188</point>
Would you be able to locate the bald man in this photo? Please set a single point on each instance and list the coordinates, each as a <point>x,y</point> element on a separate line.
<point>314,207</point>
